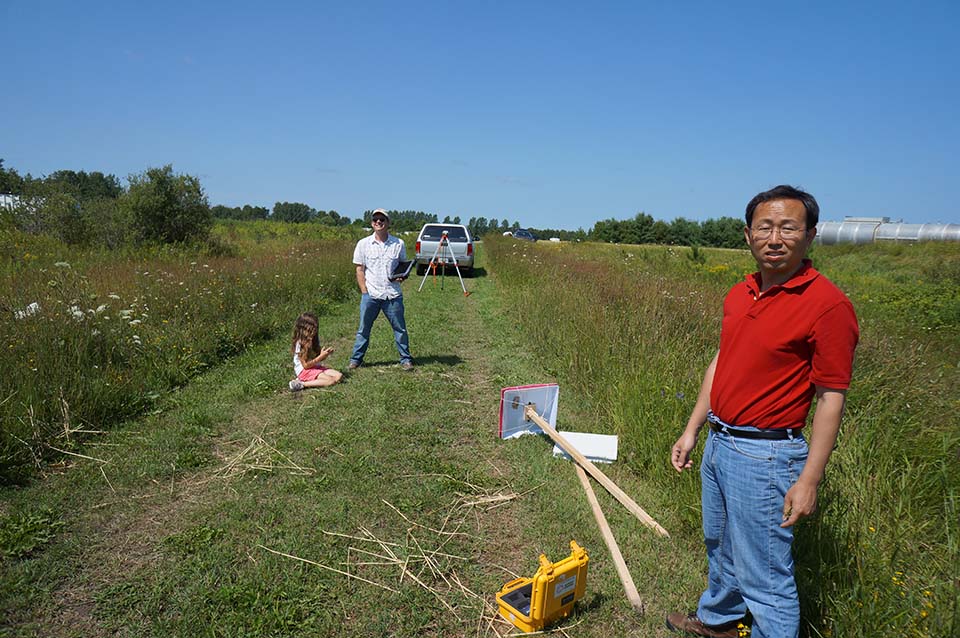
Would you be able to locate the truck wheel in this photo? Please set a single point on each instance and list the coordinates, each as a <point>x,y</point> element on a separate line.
<point>421,268</point>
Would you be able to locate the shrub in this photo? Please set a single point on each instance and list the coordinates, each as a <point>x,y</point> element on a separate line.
<point>166,207</point>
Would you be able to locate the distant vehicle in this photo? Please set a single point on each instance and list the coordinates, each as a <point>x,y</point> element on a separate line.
<point>555,239</point>
<point>524,234</point>
<point>459,247</point>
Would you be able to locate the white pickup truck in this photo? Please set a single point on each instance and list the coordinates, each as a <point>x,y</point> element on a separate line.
<point>449,243</point>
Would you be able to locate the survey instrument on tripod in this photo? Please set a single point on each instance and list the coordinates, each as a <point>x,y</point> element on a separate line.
<point>443,257</point>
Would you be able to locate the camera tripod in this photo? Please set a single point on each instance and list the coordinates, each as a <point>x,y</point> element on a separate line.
<point>442,257</point>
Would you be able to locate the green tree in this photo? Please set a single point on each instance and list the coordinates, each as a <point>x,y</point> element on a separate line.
<point>684,232</point>
<point>293,212</point>
<point>10,180</point>
<point>660,232</point>
<point>480,229</point>
<point>167,207</point>
<point>43,209</point>
<point>246,212</point>
<point>254,212</point>
<point>726,232</point>
<point>86,186</point>
<point>331,218</point>
<point>107,223</point>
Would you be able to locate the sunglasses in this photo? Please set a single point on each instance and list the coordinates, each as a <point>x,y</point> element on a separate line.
<point>379,220</point>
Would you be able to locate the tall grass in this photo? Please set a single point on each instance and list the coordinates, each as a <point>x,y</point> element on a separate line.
<point>89,338</point>
<point>631,329</point>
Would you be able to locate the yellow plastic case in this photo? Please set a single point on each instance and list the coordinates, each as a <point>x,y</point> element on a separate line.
<point>533,603</point>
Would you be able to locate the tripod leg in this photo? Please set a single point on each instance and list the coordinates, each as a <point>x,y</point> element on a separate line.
<point>456,267</point>
<point>430,267</point>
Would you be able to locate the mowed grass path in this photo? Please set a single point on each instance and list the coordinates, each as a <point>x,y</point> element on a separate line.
<point>193,521</point>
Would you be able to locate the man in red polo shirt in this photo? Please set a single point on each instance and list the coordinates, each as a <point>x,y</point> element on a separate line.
<point>788,335</point>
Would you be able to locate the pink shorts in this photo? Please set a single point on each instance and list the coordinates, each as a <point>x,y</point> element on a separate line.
<point>309,374</point>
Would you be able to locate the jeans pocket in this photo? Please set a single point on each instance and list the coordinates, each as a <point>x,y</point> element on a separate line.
<point>757,449</point>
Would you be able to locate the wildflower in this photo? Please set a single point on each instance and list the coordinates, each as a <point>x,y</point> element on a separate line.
<point>135,322</point>
<point>77,313</point>
<point>101,308</point>
<point>114,295</point>
<point>62,264</point>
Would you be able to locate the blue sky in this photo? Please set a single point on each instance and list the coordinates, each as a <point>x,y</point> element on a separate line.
<point>553,114</point>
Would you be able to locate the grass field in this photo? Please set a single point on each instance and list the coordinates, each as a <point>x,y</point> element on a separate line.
<point>197,517</point>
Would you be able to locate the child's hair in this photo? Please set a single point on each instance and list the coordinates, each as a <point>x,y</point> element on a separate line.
<point>306,320</point>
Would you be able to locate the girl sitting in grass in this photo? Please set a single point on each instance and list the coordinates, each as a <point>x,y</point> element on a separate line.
<point>307,355</point>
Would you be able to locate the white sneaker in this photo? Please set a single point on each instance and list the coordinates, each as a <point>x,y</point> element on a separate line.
<point>296,385</point>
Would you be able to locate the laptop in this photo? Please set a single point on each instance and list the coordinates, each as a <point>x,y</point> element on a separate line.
<point>402,271</point>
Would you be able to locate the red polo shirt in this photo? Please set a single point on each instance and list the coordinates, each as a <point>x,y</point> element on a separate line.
<point>776,346</point>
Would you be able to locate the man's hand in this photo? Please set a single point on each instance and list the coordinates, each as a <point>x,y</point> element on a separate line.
<point>680,454</point>
<point>800,501</point>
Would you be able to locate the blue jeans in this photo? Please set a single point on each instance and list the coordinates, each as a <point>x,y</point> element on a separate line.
<point>750,564</point>
<point>393,311</point>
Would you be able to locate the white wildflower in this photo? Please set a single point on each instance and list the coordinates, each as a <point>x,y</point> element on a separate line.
<point>62,264</point>
<point>101,308</point>
<point>135,322</point>
<point>114,295</point>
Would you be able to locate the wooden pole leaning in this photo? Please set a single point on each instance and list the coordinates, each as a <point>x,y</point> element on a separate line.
<point>530,413</point>
<point>629,588</point>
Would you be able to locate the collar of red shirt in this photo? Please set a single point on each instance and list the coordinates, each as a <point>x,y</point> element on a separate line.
<point>802,277</point>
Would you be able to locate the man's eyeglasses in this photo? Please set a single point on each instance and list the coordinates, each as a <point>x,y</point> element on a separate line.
<point>786,232</point>
<point>379,220</point>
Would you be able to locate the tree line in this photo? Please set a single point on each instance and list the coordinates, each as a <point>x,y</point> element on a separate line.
<point>160,205</point>
<point>725,232</point>
<point>94,208</point>
<point>163,206</point>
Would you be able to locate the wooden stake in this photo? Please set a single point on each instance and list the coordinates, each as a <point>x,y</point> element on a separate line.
<point>628,587</point>
<point>531,413</point>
